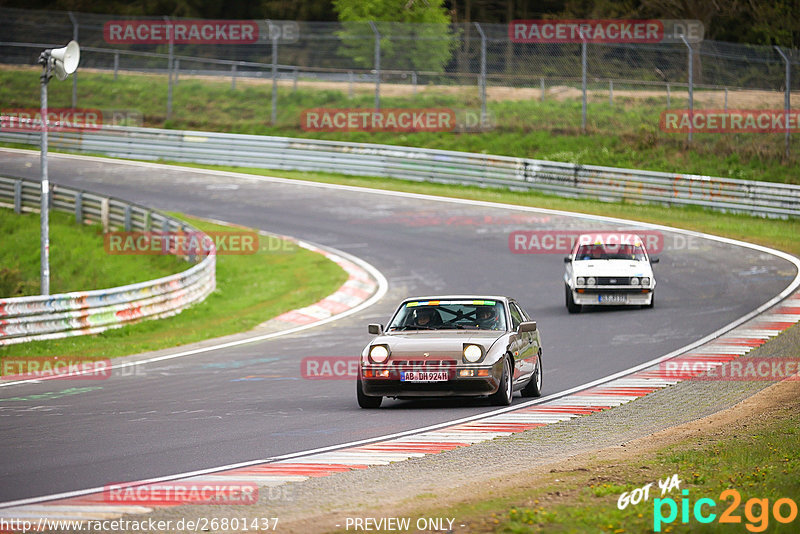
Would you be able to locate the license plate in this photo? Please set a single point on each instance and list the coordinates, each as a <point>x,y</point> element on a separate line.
<point>424,376</point>
<point>613,299</point>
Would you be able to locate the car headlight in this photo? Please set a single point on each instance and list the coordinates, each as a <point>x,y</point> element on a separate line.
<point>580,280</point>
<point>646,281</point>
<point>378,354</point>
<point>634,281</point>
<point>591,281</point>
<point>472,353</point>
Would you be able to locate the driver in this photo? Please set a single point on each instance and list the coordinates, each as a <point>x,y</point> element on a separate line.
<point>426,317</point>
<point>487,317</point>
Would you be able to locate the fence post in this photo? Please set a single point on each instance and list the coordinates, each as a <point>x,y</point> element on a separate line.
<point>17,196</point>
<point>169,72</point>
<point>583,82</point>
<point>691,86</point>
<point>377,63</point>
<point>610,92</point>
<point>414,81</point>
<point>726,100</point>
<point>482,79</point>
<point>233,75</point>
<point>79,207</point>
<point>274,114</point>
<point>74,74</point>
<point>787,98</point>
<point>127,220</point>
<point>104,214</point>
<point>541,80</point>
<point>116,65</point>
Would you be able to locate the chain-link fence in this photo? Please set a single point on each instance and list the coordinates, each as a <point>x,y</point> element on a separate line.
<point>477,60</point>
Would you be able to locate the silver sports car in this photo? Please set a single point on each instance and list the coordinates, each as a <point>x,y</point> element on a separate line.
<point>452,346</point>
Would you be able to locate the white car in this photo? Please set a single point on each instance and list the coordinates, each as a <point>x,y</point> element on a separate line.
<point>609,269</point>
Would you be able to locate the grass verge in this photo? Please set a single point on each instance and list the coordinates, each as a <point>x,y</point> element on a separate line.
<point>250,290</point>
<point>626,134</point>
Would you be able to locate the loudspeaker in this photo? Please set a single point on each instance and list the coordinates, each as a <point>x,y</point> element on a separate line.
<point>65,60</point>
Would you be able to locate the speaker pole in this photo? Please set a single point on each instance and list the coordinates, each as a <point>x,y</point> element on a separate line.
<point>44,59</point>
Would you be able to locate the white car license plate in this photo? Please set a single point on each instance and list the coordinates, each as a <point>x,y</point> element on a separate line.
<point>423,376</point>
<point>613,299</point>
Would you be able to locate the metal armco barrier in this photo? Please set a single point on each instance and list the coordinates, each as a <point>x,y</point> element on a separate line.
<point>42,317</point>
<point>420,164</point>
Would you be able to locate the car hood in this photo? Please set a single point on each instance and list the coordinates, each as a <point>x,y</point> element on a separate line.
<point>612,268</point>
<point>435,342</point>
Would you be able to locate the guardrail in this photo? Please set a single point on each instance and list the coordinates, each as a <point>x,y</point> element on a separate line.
<point>420,164</point>
<point>42,317</point>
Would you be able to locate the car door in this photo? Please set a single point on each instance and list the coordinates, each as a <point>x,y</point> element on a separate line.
<point>522,344</point>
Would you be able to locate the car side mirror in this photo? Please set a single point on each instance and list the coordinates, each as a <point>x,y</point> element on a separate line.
<point>375,329</point>
<point>654,260</point>
<point>527,326</point>
<point>567,259</point>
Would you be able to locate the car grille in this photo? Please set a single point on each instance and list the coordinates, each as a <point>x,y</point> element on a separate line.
<point>613,280</point>
<point>426,363</point>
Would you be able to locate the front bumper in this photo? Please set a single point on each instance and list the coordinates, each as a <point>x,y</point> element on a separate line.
<point>598,296</point>
<point>393,386</point>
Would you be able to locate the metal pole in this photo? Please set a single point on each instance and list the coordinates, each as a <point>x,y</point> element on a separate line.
<point>350,84</point>
<point>787,99</point>
<point>74,74</point>
<point>377,63</point>
<point>274,115</point>
<point>583,82</point>
<point>169,72</point>
<point>541,80</point>
<point>414,81</point>
<point>45,192</point>
<point>482,79</point>
<point>726,99</point>
<point>691,86</point>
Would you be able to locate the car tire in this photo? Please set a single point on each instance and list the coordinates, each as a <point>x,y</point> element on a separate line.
<point>534,387</point>
<point>365,401</point>
<point>652,302</point>
<point>502,397</point>
<point>571,306</point>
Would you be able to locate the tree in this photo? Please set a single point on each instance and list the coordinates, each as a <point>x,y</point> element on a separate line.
<point>426,44</point>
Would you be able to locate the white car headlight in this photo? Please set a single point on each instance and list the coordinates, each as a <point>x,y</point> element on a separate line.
<point>646,281</point>
<point>472,353</point>
<point>634,281</point>
<point>591,281</point>
<point>580,280</point>
<point>378,354</point>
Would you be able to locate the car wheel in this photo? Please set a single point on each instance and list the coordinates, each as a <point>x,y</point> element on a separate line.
<point>571,306</point>
<point>534,387</point>
<point>502,397</point>
<point>652,302</point>
<point>365,401</point>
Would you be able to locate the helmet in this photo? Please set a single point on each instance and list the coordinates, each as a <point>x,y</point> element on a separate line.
<point>487,317</point>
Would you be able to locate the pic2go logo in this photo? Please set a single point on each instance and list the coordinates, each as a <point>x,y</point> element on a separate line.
<point>756,511</point>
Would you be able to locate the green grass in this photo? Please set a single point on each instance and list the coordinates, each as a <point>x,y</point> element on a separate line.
<point>78,261</point>
<point>624,135</point>
<point>250,290</point>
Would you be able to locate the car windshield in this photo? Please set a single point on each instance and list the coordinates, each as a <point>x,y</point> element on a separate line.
<point>450,314</point>
<point>610,252</point>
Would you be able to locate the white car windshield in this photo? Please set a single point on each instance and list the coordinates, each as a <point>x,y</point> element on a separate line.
<point>451,314</point>
<point>610,252</point>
